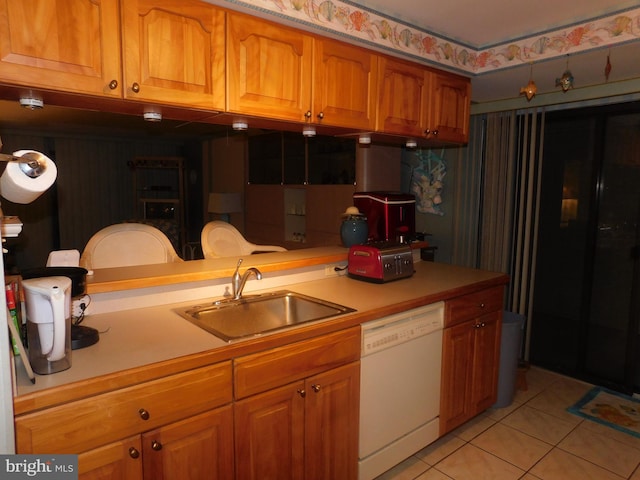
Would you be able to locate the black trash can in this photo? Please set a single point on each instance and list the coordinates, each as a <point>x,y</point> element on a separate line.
<point>512,330</point>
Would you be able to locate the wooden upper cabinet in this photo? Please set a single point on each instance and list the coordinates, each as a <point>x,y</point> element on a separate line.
<point>69,45</point>
<point>174,52</point>
<point>449,108</point>
<point>403,101</point>
<point>268,69</point>
<point>418,102</point>
<point>344,85</point>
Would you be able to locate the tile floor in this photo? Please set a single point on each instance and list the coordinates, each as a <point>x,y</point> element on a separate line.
<point>534,438</point>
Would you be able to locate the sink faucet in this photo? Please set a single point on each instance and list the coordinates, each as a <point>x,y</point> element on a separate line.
<point>237,282</point>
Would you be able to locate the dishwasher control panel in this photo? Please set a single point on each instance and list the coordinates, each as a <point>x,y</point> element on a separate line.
<point>396,329</point>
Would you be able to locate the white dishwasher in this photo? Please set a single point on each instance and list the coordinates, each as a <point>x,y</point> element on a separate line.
<point>399,387</point>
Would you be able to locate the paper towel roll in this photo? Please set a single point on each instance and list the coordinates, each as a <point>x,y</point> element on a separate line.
<point>17,187</point>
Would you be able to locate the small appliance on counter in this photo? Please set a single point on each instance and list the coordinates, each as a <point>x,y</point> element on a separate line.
<point>391,216</point>
<point>48,302</point>
<point>81,335</point>
<point>380,262</point>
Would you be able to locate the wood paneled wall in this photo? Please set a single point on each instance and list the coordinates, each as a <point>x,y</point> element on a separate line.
<point>94,189</point>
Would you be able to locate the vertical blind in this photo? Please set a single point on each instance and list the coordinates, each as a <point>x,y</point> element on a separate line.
<point>510,189</point>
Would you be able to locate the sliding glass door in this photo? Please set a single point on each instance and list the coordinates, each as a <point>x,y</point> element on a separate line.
<point>585,315</point>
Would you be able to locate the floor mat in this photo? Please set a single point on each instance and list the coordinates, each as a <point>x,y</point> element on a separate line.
<point>610,408</point>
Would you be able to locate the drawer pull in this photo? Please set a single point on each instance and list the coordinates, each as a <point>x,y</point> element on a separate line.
<point>144,414</point>
<point>157,446</point>
<point>133,452</point>
<point>316,388</point>
<point>302,392</point>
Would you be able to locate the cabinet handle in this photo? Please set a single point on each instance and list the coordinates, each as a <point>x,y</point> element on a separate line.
<point>135,87</point>
<point>316,387</point>
<point>427,132</point>
<point>435,133</point>
<point>302,392</point>
<point>482,305</point>
<point>133,452</point>
<point>144,414</point>
<point>308,114</point>
<point>320,115</point>
<point>113,84</point>
<point>155,445</point>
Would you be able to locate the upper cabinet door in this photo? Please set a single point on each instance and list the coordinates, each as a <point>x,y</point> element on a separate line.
<point>450,108</point>
<point>268,69</point>
<point>403,101</point>
<point>174,52</point>
<point>70,45</point>
<point>345,85</point>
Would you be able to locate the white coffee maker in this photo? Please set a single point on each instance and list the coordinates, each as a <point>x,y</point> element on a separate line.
<point>48,302</point>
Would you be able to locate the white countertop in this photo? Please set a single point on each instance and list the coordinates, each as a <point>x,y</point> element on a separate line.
<point>140,337</point>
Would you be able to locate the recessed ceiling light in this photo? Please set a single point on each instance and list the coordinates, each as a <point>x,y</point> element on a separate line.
<point>364,139</point>
<point>152,116</point>
<point>31,103</point>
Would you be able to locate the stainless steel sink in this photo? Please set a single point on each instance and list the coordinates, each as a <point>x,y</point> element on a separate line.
<point>257,314</point>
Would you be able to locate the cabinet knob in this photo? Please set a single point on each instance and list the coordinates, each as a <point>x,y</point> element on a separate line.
<point>316,387</point>
<point>320,115</point>
<point>143,414</point>
<point>155,445</point>
<point>435,133</point>
<point>135,87</point>
<point>482,305</point>
<point>133,452</point>
<point>113,84</point>
<point>307,114</point>
<point>302,392</point>
<point>427,132</point>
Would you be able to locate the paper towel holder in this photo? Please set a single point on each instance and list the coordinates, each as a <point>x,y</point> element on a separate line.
<point>32,163</point>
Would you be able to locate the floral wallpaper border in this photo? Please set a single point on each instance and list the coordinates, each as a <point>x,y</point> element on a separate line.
<point>356,22</point>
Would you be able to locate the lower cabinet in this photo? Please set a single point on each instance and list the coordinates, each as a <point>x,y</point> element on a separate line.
<point>289,412</point>
<point>470,356</point>
<point>197,448</point>
<point>297,410</point>
<point>179,426</point>
<point>117,461</point>
<point>304,430</point>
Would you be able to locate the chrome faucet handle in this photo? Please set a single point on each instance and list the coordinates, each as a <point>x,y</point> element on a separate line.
<point>236,279</point>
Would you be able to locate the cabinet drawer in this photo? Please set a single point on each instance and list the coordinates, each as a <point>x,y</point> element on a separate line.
<point>473,305</point>
<point>266,370</point>
<point>84,424</point>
